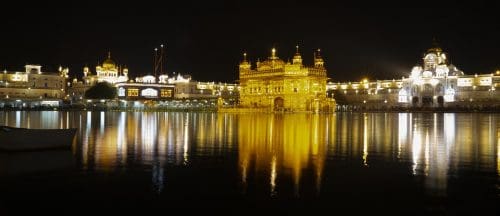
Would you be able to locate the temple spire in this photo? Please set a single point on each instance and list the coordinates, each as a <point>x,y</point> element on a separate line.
<point>297,59</point>
<point>318,61</point>
<point>245,64</point>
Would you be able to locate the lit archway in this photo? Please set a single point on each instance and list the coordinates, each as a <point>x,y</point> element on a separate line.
<point>279,103</point>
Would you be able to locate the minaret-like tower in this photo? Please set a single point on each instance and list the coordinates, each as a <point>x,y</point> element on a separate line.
<point>245,64</point>
<point>273,54</point>
<point>318,60</point>
<point>86,71</point>
<point>125,71</point>
<point>63,72</point>
<point>297,59</point>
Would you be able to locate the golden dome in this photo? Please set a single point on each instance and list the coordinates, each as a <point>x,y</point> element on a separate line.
<point>435,47</point>
<point>108,63</point>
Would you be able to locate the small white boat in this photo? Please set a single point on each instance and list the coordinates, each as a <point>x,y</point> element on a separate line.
<point>23,139</point>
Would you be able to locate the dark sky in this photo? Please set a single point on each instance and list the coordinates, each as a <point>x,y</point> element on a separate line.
<point>206,40</point>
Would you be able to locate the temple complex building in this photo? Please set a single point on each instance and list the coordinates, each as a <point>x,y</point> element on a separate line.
<point>145,88</point>
<point>278,86</point>
<point>32,87</point>
<point>434,84</point>
<point>107,72</point>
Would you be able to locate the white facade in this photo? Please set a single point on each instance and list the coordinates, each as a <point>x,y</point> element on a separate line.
<point>434,84</point>
<point>107,72</point>
<point>30,87</point>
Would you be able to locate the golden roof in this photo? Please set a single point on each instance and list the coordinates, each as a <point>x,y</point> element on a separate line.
<point>108,63</point>
<point>435,47</point>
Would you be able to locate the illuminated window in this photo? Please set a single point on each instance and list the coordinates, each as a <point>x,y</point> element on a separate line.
<point>149,92</point>
<point>133,92</point>
<point>121,92</point>
<point>449,95</point>
<point>485,81</point>
<point>464,82</point>
<point>403,96</point>
<point>166,93</point>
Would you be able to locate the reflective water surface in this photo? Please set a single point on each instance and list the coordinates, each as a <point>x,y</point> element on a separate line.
<point>389,163</point>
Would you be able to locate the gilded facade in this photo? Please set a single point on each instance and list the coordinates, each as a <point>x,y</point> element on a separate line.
<point>281,86</point>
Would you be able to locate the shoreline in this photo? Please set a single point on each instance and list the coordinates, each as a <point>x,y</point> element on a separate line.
<point>245,111</point>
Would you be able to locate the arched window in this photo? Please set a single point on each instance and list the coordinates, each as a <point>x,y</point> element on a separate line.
<point>149,92</point>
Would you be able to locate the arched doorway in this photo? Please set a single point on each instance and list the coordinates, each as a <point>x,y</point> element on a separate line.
<point>427,95</point>
<point>440,101</point>
<point>279,103</point>
<point>414,101</point>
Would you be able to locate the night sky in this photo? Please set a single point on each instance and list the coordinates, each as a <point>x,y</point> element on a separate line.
<point>207,39</point>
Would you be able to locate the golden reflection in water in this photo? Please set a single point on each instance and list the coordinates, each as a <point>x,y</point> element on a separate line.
<point>282,145</point>
<point>121,142</point>
<point>365,139</point>
<point>403,124</point>
<point>186,139</point>
<point>104,145</point>
<point>431,145</point>
<point>273,176</point>
<point>148,134</point>
<point>85,139</point>
<point>331,130</point>
<point>152,138</point>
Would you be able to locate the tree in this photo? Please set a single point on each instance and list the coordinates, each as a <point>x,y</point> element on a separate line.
<point>102,90</point>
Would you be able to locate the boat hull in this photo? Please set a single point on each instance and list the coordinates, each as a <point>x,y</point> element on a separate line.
<point>21,139</point>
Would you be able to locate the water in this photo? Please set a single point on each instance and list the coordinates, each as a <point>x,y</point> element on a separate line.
<point>355,163</point>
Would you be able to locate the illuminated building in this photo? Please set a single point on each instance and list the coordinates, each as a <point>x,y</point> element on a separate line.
<point>279,86</point>
<point>185,88</point>
<point>145,88</point>
<point>178,92</point>
<point>434,84</point>
<point>32,87</point>
<point>107,72</point>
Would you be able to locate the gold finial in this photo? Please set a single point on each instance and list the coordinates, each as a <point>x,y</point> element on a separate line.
<point>244,56</point>
<point>273,52</point>
<point>297,48</point>
<point>109,54</point>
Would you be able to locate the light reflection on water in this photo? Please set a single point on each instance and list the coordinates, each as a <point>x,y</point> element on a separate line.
<point>295,148</point>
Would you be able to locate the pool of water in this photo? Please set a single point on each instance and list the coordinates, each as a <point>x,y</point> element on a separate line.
<point>247,164</point>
